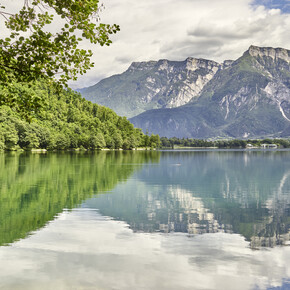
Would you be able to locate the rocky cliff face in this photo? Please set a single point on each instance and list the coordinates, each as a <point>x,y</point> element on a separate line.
<point>152,85</point>
<point>249,97</point>
<point>274,53</point>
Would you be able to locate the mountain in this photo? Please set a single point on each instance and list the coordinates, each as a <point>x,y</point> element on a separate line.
<point>153,85</point>
<point>249,97</point>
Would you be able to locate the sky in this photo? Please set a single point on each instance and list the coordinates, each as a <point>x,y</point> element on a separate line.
<point>284,5</point>
<point>174,30</point>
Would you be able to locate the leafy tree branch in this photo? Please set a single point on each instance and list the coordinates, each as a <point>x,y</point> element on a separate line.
<point>36,49</point>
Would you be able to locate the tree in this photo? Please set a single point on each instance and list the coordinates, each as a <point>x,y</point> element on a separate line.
<point>60,142</point>
<point>10,136</point>
<point>2,139</point>
<point>154,141</point>
<point>118,140</point>
<point>97,141</point>
<point>109,142</point>
<point>34,50</point>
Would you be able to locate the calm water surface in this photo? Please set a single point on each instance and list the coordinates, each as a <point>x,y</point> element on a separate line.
<point>145,220</point>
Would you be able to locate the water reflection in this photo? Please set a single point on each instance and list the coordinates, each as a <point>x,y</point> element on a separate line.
<point>82,249</point>
<point>208,192</point>
<point>34,188</point>
<point>194,192</point>
<point>216,206</point>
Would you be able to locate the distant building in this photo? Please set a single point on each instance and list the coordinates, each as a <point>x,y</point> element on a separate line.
<point>272,146</point>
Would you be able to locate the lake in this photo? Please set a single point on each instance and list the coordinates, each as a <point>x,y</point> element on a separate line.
<point>202,219</point>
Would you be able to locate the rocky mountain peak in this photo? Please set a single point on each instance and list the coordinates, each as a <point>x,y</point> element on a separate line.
<point>143,65</point>
<point>196,63</point>
<point>227,63</point>
<point>190,64</point>
<point>163,64</point>
<point>274,53</point>
<point>245,97</point>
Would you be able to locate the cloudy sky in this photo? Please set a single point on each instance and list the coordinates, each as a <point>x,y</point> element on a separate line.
<point>174,30</point>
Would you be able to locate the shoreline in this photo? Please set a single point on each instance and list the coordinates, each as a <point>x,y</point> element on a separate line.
<point>37,150</point>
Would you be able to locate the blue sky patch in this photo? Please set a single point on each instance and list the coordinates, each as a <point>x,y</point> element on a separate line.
<point>283,5</point>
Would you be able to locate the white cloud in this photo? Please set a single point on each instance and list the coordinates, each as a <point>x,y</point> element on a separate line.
<point>170,29</point>
<point>212,29</point>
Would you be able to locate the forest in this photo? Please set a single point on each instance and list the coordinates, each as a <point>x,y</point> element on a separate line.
<point>49,117</point>
<point>226,144</point>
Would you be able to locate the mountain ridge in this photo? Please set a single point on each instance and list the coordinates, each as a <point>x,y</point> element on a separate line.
<point>198,98</point>
<point>152,85</point>
<point>250,98</point>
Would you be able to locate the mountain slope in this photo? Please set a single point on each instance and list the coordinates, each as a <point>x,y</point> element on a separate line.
<point>152,85</point>
<point>248,98</point>
<point>65,121</point>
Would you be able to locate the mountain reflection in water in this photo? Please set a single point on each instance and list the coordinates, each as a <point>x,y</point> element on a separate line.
<point>208,192</point>
<point>82,249</point>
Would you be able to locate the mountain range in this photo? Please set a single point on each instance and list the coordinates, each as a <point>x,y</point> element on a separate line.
<point>198,98</point>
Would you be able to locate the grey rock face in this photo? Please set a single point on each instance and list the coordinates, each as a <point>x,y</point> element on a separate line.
<point>247,98</point>
<point>153,85</point>
<point>274,53</point>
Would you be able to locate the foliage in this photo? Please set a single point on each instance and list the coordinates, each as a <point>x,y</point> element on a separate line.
<point>184,142</point>
<point>66,121</point>
<point>21,97</point>
<point>36,48</point>
<point>43,43</point>
<point>234,143</point>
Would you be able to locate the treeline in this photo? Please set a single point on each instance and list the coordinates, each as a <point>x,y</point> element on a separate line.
<point>184,142</point>
<point>235,143</point>
<point>62,119</point>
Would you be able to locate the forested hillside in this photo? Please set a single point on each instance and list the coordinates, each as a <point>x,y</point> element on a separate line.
<point>56,119</point>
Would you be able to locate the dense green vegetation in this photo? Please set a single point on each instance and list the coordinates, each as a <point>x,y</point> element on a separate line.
<point>52,46</point>
<point>235,143</point>
<point>41,41</point>
<point>34,188</point>
<point>62,119</point>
